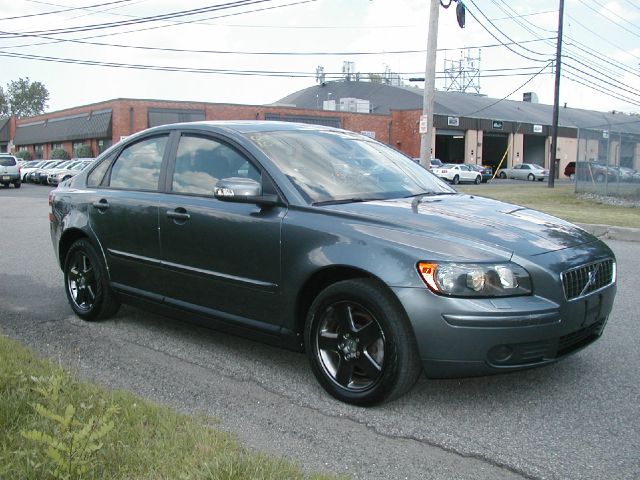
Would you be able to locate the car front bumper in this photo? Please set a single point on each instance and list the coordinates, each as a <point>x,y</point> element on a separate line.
<point>470,337</point>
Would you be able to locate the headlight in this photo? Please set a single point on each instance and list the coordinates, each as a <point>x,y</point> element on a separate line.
<point>475,279</point>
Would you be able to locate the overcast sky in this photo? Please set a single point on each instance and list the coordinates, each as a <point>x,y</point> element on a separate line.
<point>601,66</point>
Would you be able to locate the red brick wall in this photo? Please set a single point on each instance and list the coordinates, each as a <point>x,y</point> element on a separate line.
<point>130,116</point>
<point>405,133</point>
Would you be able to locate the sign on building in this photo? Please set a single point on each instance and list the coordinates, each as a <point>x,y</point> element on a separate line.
<point>453,121</point>
<point>496,125</point>
<point>537,129</point>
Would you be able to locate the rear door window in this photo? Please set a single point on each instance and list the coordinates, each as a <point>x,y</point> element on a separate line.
<point>138,166</point>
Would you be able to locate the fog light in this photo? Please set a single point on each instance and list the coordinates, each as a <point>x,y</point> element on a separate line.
<point>501,353</point>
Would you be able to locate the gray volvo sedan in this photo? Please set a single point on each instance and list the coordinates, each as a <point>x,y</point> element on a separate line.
<point>328,242</point>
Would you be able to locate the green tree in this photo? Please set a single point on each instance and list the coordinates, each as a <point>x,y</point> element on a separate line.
<point>26,98</point>
<point>4,104</point>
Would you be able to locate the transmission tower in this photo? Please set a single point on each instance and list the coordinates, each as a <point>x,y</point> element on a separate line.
<point>463,75</point>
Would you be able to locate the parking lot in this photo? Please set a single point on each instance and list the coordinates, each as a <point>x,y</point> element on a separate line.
<point>577,419</point>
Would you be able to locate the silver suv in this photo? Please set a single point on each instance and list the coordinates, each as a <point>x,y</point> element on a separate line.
<point>9,170</point>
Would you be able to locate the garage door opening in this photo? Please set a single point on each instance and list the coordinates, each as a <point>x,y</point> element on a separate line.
<point>493,147</point>
<point>534,148</point>
<point>450,146</point>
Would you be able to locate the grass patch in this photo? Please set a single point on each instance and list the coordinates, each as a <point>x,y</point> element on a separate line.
<point>53,426</point>
<point>560,201</point>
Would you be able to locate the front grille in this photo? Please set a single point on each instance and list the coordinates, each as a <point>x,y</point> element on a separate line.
<point>583,280</point>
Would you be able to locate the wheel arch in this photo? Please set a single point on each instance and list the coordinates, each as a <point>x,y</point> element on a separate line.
<point>69,237</point>
<point>322,279</point>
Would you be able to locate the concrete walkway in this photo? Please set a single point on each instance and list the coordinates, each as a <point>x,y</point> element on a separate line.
<point>625,234</point>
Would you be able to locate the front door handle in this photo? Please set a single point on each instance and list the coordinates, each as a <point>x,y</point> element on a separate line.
<point>101,204</point>
<point>178,214</point>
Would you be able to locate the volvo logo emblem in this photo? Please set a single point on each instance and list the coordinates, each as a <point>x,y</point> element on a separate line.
<point>593,279</point>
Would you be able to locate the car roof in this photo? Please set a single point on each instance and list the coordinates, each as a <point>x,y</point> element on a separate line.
<point>249,126</point>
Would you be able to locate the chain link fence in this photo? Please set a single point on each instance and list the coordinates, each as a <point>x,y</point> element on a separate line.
<point>607,163</point>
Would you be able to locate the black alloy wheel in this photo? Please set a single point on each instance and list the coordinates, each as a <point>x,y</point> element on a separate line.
<point>359,343</point>
<point>87,286</point>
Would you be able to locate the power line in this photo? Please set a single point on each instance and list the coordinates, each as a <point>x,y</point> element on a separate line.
<point>612,21</point>
<point>604,91</point>
<point>69,9</point>
<point>601,37</point>
<point>511,93</point>
<point>499,40</point>
<point>142,20</point>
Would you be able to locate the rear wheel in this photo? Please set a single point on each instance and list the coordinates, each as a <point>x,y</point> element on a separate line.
<point>531,177</point>
<point>359,343</point>
<point>503,175</point>
<point>17,184</point>
<point>455,180</point>
<point>87,283</point>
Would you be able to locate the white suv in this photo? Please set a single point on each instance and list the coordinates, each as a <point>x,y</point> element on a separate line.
<point>9,170</point>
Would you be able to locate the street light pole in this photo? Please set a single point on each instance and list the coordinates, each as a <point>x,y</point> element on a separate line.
<point>556,100</point>
<point>426,123</point>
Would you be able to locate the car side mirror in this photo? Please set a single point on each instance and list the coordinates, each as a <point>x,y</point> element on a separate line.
<point>242,190</point>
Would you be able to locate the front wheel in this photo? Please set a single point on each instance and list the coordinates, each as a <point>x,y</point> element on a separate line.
<point>359,343</point>
<point>87,284</point>
<point>503,175</point>
<point>478,180</point>
<point>531,177</point>
<point>456,180</point>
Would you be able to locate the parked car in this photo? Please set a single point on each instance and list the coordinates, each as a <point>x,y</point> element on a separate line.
<point>41,174</point>
<point>57,175</point>
<point>570,170</point>
<point>587,171</point>
<point>378,273</point>
<point>9,170</point>
<point>484,171</point>
<point>28,167</point>
<point>433,162</point>
<point>457,172</point>
<point>33,176</point>
<point>525,171</point>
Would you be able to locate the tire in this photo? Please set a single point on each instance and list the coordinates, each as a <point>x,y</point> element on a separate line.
<point>478,180</point>
<point>531,177</point>
<point>359,343</point>
<point>600,178</point>
<point>6,185</point>
<point>572,177</point>
<point>17,184</point>
<point>456,180</point>
<point>87,283</point>
<point>503,175</point>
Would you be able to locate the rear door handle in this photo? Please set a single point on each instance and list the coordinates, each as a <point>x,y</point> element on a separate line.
<point>101,204</point>
<point>178,214</point>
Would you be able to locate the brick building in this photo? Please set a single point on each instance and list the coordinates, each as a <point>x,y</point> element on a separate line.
<point>100,125</point>
<point>467,128</point>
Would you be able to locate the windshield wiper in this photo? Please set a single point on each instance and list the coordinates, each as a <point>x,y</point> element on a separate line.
<point>429,194</point>
<point>346,200</point>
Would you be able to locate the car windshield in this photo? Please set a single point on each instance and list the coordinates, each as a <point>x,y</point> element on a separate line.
<point>535,166</point>
<point>332,166</point>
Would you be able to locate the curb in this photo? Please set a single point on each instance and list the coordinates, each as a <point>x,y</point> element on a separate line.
<point>609,232</point>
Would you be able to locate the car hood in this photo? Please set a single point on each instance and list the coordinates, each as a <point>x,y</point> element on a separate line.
<point>472,221</point>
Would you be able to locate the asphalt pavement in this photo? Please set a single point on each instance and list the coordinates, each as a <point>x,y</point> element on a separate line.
<point>577,419</point>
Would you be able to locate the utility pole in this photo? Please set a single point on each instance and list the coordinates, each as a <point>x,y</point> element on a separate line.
<point>426,122</point>
<point>556,100</point>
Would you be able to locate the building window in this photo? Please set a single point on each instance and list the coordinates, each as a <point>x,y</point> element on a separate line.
<point>23,148</point>
<point>55,146</point>
<point>103,145</point>
<point>39,152</point>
